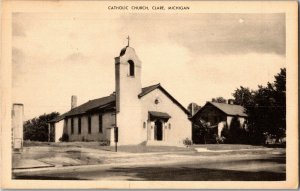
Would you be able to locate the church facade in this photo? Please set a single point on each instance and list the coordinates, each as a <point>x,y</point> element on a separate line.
<point>148,115</point>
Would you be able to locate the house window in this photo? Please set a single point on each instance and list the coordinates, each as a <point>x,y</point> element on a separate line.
<point>100,123</point>
<point>72,126</point>
<point>79,125</point>
<point>89,124</point>
<point>131,67</point>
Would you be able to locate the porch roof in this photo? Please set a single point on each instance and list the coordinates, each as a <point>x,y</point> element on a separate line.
<point>157,114</point>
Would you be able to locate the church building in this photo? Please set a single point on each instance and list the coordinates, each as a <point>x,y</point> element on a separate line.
<point>144,115</point>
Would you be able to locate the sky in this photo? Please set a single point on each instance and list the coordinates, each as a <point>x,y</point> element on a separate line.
<point>195,57</point>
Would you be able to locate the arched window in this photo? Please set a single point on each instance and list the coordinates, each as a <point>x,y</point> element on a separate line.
<point>131,67</point>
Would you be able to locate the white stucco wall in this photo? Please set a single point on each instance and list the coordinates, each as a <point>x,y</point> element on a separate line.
<point>241,119</point>
<point>229,119</point>
<point>108,121</point>
<point>221,126</point>
<point>59,128</point>
<point>181,127</point>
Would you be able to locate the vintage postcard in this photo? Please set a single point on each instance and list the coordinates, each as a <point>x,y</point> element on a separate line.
<point>149,94</point>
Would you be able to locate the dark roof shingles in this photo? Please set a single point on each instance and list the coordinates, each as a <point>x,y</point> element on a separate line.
<point>148,89</point>
<point>91,105</point>
<point>230,109</point>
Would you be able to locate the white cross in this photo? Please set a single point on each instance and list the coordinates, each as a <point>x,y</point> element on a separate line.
<point>128,38</point>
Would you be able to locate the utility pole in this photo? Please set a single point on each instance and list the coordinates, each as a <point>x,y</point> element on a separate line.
<point>116,131</point>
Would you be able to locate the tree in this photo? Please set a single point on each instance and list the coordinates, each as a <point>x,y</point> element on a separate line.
<point>36,129</point>
<point>196,108</point>
<point>244,96</point>
<point>218,100</point>
<point>266,108</point>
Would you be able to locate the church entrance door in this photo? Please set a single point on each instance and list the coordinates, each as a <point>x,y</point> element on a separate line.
<point>158,130</point>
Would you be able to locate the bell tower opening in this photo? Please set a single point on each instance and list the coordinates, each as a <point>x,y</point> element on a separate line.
<point>131,67</point>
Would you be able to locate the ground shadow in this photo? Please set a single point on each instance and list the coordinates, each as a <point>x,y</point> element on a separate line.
<point>196,174</point>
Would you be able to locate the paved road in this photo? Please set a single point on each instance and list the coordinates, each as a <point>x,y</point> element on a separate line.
<point>222,167</point>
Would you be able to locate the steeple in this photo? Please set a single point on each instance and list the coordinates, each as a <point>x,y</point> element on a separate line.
<point>124,49</point>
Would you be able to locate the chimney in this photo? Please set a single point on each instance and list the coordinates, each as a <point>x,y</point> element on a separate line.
<point>73,101</point>
<point>193,109</point>
<point>230,101</point>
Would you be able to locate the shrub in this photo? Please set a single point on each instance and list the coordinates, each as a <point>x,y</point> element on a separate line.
<point>187,142</point>
<point>220,140</point>
<point>104,143</point>
<point>65,138</point>
<point>236,134</point>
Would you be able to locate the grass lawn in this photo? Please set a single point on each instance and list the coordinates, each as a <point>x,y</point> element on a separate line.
<point>141,148</point>
<point>96,145</point>
<point>146,149</point>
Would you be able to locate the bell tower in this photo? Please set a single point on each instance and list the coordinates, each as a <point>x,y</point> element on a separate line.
<point>128,86</point>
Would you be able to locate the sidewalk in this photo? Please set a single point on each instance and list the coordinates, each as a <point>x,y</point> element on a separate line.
<point>30,164</point>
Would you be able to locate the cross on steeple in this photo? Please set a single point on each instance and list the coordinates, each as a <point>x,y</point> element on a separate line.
<point>128,38</point>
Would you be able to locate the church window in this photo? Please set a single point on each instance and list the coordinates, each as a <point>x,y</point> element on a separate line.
<point>144,125</point>
<point>100,123</point>
<point>89,124</point>
<point>72,125</point>
<point>79,125</point>
<point>131,67</point>
<point>169,125</point>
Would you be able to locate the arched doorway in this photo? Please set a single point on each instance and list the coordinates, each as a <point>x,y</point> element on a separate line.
<point>158,131</point>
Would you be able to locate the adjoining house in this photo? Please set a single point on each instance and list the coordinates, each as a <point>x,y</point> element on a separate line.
<point>57,127</point>
<point>217,116</point>
<point>148,115</point>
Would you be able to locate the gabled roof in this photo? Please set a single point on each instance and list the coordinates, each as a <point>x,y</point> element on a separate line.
<point>95,104</point>
<point>228,109</point>
<point>109,103</point>
<point>149,89</point>
<point>58,118</point>
<point>231,109</point>
<point>91,105</point>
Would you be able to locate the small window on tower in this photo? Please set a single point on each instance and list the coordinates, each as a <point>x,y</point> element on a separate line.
<point>131,67</point>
